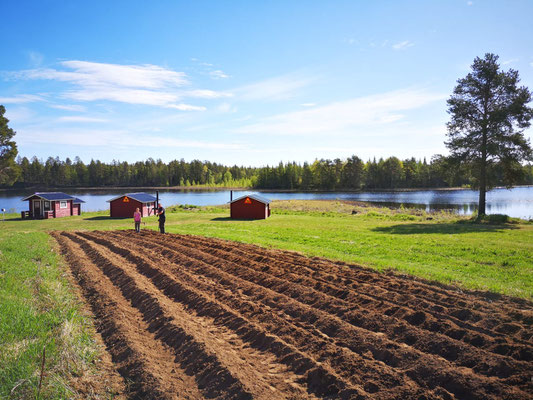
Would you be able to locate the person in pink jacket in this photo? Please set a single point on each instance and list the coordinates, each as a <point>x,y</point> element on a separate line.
<point>137,219</point>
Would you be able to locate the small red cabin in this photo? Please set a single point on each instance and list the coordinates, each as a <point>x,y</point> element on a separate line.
<point>250,207</point>
<point>52,205</point>
<point>124,206</point>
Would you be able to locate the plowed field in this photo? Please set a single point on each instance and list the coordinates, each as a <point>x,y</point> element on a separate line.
<point>190,317</point>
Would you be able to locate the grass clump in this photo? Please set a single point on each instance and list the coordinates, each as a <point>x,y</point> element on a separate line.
<point>39,311</point>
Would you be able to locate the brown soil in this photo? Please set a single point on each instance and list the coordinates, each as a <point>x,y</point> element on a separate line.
<point>188,317</point>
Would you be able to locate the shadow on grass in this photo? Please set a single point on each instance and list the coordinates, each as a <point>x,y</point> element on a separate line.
<point>103,217</point>
<point>222,219</point>
<point>454,228</point>
<point>235,219</point>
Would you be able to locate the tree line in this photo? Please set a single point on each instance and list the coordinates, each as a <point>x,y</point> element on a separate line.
<point>323,174</point>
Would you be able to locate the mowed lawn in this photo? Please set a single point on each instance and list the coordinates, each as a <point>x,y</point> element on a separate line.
<point>38,308</point>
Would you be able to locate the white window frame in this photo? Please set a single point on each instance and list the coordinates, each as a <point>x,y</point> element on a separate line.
<point>46,206</point>
<point>63,204</point>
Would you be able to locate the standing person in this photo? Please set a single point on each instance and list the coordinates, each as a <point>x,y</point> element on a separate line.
<point>137,219</point>
<point>162,218</point>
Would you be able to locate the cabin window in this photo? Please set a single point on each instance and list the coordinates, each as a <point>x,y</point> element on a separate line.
<point>46,206</point>
<point>62,204</point>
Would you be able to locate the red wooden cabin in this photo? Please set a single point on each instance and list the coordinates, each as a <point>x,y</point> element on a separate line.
<point>52,205</point>
<point>124,206</point>
<point>250,207</point>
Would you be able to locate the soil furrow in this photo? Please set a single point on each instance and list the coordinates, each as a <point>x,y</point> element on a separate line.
<point>257,371</point>
<point>192,317</point>
<point>350,302</point>
<point>320,381</point>
<point>443,304</point>
<point>395,355</point>
<point>213,380</point>
<point>358,315</point>
<point>140,360</point>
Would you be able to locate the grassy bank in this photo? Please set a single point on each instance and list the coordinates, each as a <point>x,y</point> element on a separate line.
<point>40,316</point>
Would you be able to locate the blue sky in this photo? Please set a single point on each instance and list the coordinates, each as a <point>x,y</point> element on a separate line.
<point>246,82</point>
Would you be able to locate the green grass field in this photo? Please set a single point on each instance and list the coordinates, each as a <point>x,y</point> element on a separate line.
<point>38,309</point>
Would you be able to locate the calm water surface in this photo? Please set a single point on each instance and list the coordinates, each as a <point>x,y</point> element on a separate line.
<point>516,202</point>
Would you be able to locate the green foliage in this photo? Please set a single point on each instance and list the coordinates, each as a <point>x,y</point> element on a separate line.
<point>350,174</point>
<point>489,113</point>
<point>8,151</point>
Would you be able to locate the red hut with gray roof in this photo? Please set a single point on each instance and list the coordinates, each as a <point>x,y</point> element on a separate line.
<point>52,205</point>
<point>250,207</point>
<point>124,206</point>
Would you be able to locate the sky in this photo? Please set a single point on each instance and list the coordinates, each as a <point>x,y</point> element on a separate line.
<point>246,82</point>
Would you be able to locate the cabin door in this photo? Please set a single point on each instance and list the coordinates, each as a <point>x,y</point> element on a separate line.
<point>37,209</point>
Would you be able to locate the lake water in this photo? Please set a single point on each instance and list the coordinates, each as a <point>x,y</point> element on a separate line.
<point>516,202</point>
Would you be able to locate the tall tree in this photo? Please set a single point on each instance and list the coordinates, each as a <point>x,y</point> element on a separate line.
<point>8,151</point>
<point>489,113</point>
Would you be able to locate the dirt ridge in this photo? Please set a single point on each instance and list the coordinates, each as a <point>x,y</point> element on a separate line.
<point>242,321</point>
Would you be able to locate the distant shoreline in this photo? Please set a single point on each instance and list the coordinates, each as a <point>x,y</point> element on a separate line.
<point>240,189</point>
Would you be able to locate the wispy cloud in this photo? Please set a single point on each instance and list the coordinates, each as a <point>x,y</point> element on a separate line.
<point>85,73</point>
<point>133,84</point>
<point>308,104</point>
<point>80,118</point>
<point>114,137</point>
<point>402,45</point>
<point>20,98</point>
<point>507,62</point>
<point>218,74</point>
<point>207,94</point>
<point>35,58</point>
<point>273,89</point>
<point>69,107</point>
<point>340,117</point>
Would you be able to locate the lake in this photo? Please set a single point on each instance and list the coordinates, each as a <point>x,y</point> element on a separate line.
<point>516,202</point>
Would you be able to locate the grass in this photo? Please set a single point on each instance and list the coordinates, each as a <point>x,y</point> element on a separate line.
<point>37,311</point>
<point>37,307</point>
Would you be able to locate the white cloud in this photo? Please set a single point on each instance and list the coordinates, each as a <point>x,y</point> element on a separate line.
<point>20,98</point>
<point>185,107</point>
<point>218,74</point>
<point>207,94</point>
<point>86,73</point>
<point>273,89</point>
<point>402,45</point>
<point>342,117</point>
<point>132,84</point>
<point>69,107</point>
<point>308,104</point>
<point>80,118</point>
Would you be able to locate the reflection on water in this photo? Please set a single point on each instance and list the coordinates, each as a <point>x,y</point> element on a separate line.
<point>516,202</point>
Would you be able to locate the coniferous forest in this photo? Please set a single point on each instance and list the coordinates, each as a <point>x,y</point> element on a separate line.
<point>324,174</point>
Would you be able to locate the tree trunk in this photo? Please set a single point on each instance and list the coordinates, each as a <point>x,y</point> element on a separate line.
<point>483,177</point>
<point>482,200</point>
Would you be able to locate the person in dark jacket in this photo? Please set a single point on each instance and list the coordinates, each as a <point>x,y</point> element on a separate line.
<point>162,218</point>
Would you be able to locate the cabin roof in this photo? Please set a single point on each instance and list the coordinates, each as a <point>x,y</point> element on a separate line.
<point>77,200</point>
<point>261,199</point>
<point>140,197</point>
<point>53,196</point>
